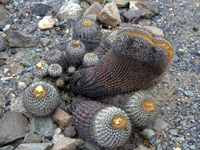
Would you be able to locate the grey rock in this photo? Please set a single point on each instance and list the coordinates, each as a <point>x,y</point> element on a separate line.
<point>109,15</point>
<point>32,138</point>
<point>92,1</point>
<point>179,139</point>
<point>3,55</point>
<point>9,6</point>
<point>26,63</point>
<point>84,5</point>
<point>42,126</point>
<point>12,127</point>
<point>198,53</point>
<point>57,137</point>
<point>157,141</point>
<point>160,125</point>
<point>15,3</point>
<point>155,30</point>
<point>180,51</point>
<point>93,9</point>
<point>164,145</point>
<point>34,146</point>
<point>147,134</point>
<point>2,62</point>
<point>4,1</point>
<point>185,145</point>
<point>20,40</point>
<point>70,132</point>
<point>163,110</point>
<point>173,132</point>
<point>127,146</point>
<point>91,146</point>
<point>8,147</point>
<point>1,25</point>
<point>188,93</point>
<point>147,8</point>
<point>40,9</point>
<point>192,147</point>
<point>17,105</point>
<point>3,12</point>
<point>92,17</point>
<point>2,44</point>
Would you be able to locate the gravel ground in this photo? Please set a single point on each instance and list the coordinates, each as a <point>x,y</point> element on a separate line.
<point>179,90</point>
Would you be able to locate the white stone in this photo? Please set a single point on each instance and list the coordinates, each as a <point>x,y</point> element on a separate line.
<point>155,30</point>
<point>69,10</point>
<point>21,85</point>
<point>46,23</point>
<point>132,5</point>
<point>6,28</point>
<point>120,3</point>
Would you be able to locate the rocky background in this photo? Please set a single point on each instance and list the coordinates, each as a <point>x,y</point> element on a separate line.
<point>30,28</point>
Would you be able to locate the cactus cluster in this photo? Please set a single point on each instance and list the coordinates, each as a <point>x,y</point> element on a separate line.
<point>137,59</point>
<point>119,68</point>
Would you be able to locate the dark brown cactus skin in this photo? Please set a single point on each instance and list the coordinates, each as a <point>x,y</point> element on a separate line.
<point>135,62</point>
<point>83,113</point>
<point>100,123</point>
<point>103,48</point>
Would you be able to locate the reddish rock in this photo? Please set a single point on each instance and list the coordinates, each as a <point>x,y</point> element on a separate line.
<point>131,15</point>
<point>66,144</point>
<point>70,132</point>
<point>93,9</point>
<point>109,15</point>
<point>61,117</point>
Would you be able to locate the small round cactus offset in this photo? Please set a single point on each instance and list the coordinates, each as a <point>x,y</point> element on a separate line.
<point>41,98</point>
<point>60,83</point>
<point>107,126</point>
<point>71,70</point>
<point>75,50</point>
<point>41,69</point>
<point>2,44</point>
<point>90,59</point>
<point>88,31</point>
<point>55,70</point>
<point>56,57</point>
<point>141,107</point>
